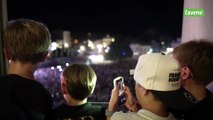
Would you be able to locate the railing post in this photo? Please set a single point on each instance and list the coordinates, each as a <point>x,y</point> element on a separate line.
<point>3,20</point>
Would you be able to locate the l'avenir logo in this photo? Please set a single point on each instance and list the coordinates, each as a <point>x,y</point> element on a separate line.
<point>193,12</point>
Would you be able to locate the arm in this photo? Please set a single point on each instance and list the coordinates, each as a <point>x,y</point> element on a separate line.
<point>130,101</point>
<point>113,102</point>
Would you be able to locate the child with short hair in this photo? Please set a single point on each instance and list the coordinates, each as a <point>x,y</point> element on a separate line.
<point>26,44</point>
<point>77,83</point>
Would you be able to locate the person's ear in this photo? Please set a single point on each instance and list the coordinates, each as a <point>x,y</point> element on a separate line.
<point>6,54</point>
<point>145,92</point>
<point>44,56</point>
<point>185,73</point>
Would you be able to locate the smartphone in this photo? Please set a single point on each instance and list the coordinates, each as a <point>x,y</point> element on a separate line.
<point>119,81</point>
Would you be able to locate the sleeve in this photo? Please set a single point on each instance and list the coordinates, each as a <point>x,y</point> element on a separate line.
<point>120,116</point>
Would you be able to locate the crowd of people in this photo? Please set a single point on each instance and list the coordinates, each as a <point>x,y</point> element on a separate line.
<point>50,78</point>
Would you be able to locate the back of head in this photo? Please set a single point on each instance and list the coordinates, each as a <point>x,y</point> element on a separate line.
<point>161,74</point>
<point>80,79</point>
<point>157,72</point>
<point>26,40</point>
<point>197,55</point>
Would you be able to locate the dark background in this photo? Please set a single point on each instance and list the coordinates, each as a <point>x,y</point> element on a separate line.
<point>127,17</point>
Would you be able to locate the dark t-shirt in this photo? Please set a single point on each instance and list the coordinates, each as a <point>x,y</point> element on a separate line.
<point>23,98</point>
<point>86,111</point>
<point>202,111</point>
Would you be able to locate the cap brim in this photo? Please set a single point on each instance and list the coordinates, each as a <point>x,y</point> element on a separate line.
<point>179,99</point>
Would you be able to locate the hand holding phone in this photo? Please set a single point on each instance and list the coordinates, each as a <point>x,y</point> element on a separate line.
<point>119,83</point>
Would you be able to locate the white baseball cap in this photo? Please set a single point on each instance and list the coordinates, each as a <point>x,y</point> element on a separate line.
<point>161,74</point>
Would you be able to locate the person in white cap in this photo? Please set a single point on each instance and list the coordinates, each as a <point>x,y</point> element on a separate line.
<point>158,86</point>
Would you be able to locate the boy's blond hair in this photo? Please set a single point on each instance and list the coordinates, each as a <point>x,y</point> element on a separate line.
<point>26,40</point>
<point>80,79</point>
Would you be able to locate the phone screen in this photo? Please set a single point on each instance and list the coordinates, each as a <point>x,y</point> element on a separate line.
<point>119,81</point>
<point>120,85</point>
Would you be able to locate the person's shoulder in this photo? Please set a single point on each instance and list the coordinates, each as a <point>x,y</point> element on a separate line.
<point>97,111</point>
<point>3,80</point>
<point>7,83</point>
<point>125,116</point>
<point>202,111</point>
<point>6,78</point>
<point>96,108</point>
<point>17,79</point>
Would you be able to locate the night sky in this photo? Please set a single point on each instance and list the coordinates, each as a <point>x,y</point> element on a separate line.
<point>130,17</point>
